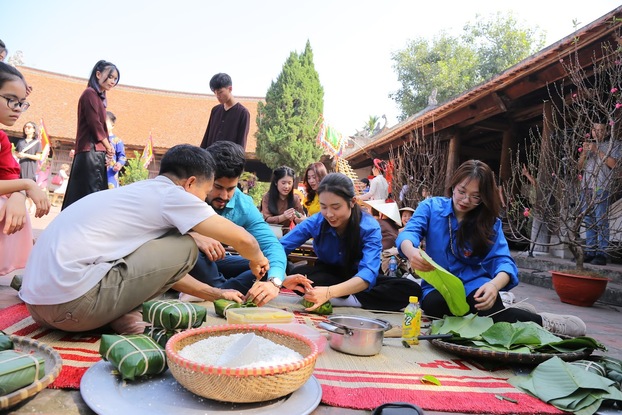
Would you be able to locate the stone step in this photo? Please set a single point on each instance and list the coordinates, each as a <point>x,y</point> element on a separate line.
<point>612,294</point>
<point>545,264</point>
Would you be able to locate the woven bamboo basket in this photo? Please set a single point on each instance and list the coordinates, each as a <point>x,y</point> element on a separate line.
<point>53,365</point>
<point>241,385</point>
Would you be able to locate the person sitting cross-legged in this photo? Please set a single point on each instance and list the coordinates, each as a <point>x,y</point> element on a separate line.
<point>80,276</point>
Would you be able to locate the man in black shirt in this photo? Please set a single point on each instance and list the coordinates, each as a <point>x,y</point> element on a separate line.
<point>228,121</point>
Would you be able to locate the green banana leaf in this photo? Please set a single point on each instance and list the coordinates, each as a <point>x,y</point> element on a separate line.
<point>567,387</point>
<point>468,327</point>
<point>324,309</point>
<point>450,286</point>
<point>221,306</point>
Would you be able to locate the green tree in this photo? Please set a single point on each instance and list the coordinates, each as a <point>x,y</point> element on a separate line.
<point>447,66</point>
<point>288,123</point>
<point>134,171</point>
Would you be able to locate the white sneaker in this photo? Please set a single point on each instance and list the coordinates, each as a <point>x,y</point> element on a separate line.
<point>524,306</point>
<point>187,298</point>
<point>507,298</point>
<point>566,325</point>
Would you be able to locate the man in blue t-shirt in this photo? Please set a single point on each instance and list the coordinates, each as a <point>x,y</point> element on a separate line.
<point>217,267</point>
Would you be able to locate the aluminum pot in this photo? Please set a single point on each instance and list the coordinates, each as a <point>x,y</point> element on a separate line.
<point>359,336</point>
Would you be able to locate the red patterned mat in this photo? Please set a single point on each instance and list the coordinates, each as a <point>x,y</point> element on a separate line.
<point>78,350</point>
<point>347,381</point>
<point>394,375</point>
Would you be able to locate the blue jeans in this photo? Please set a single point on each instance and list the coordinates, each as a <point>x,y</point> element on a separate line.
<point>231,272</point>
<point>596,221</point>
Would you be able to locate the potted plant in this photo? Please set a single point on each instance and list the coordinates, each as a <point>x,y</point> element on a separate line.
<point>567,171</point>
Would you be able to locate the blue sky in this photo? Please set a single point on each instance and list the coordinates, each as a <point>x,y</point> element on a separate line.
<point>178,45</point>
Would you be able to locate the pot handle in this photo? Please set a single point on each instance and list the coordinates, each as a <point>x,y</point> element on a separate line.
<point>389,325</point>
<point>335,329</point>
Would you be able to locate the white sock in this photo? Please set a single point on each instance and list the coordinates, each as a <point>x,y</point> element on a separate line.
<point>350,301</point>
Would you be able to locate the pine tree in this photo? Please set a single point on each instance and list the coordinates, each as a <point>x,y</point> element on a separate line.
<point>289,121</point>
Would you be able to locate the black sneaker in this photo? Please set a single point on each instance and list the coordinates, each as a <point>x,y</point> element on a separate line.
<point>599,260</point>
<point>588,258</point>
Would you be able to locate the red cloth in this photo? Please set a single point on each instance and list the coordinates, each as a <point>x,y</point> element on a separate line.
<point>9,167</point>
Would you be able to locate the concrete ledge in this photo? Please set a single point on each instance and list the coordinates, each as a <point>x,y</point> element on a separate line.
<point>612,294</point>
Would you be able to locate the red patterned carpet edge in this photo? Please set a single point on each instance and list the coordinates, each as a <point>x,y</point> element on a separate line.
<point>79,351</point>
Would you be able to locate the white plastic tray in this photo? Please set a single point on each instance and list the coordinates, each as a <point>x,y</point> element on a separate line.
<point>107,394</point>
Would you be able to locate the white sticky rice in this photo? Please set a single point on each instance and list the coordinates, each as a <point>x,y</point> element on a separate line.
<point>208,351</point>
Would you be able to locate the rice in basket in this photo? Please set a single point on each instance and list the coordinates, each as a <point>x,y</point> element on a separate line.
<point>266,353</point>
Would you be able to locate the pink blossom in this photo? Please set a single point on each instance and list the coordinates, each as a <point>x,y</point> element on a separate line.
<point>617,62</point>
<point>614,90</point>
<point>618,105</point>
<point>580,177</point>
<point>574,95</point>
<point>612,123</point>
<point>526,213</point>
<point>580,149</point>
<point>587,135</point>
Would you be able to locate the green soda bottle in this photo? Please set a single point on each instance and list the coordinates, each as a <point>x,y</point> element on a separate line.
<point>411,326</point>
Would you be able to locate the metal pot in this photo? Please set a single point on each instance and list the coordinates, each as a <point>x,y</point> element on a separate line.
<point>359,336</point>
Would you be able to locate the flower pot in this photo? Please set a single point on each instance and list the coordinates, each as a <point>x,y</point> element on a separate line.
<point>581,290</point>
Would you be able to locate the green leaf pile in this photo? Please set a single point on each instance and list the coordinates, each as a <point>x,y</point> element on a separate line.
<point>450,286</point>
<point>568,387</point>
<point>520,337</point>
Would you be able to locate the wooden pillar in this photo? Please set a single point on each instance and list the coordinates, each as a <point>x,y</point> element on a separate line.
<point>508,145</point>
<point>453,157</point>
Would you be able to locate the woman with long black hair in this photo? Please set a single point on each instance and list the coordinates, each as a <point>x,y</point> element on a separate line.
<point>347,243</point>
<point>92,149</point>
<point>463,234</point>
<point>280,205</point>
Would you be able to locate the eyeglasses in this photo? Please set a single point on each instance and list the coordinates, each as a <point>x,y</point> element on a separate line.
<point>461,194</point>
<point>14,104</point>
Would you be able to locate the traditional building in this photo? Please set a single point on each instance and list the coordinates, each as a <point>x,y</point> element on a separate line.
<point>169,117</point>
<point>490,119</point>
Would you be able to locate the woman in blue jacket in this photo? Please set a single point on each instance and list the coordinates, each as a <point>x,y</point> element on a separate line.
<point>348,244</point>
<point>463,234</point>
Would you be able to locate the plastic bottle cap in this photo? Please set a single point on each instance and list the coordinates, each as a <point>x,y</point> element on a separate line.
<point>413,299</point>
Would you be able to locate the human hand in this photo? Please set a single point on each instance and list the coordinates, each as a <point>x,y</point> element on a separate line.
<point>485,296</point>
<point>232,295</point>
<point>589,146</point>
<point>212,249</point>
<point>262,292</point>
<point>14,213</point>
<point>318,296</point>
<point>117,166</point>
<point>260,267</point>
<point>20,155</point>
<point>290,214</point>
<point>418,263</point>
<point>298,282</point>
<point>40,199</point>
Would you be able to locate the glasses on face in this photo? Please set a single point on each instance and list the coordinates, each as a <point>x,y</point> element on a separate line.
<point>461,195</point>
<point>14,104</point>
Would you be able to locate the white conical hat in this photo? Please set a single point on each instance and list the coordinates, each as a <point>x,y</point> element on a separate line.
<point>390,210</point>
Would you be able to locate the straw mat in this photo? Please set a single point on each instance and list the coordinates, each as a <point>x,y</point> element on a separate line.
<point>394,375</point>
<point>347,381</point>
<point>79,351</point>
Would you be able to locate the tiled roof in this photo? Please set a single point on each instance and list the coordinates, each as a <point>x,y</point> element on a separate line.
<point>171,117</point>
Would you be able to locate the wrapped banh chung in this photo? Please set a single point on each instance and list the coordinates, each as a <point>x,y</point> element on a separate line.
<point>134,355</point>
<point>18,370</point>
<point>173,314</point>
